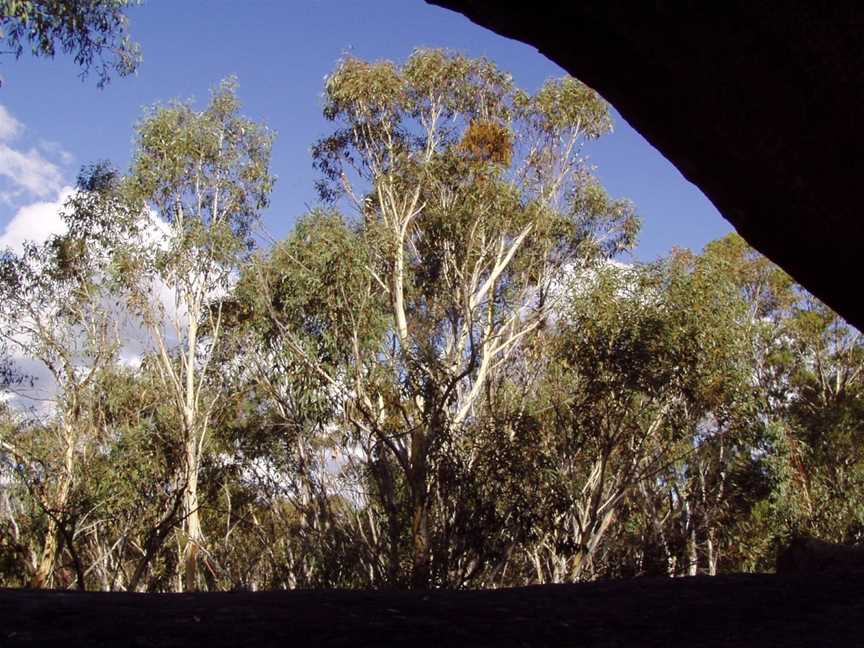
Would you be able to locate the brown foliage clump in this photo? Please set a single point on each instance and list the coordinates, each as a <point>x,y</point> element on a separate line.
<point>486,141</point>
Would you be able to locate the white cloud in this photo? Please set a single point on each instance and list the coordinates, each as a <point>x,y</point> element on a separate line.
<point>35,222</point>
<point>28,172</point>
<point>9,126</point>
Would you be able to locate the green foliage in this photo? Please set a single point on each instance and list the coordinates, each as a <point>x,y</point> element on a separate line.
<point>93,31</point>
<point>205,173</point>
<point>563,104</point>
<point>313,279</point>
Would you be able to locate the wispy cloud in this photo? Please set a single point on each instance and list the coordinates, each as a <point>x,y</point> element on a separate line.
<point>56,150</point>
<point>27,172</point>
<point>9,126</point>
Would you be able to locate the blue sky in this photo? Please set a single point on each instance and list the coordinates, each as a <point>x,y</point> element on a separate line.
<point>51,122</point>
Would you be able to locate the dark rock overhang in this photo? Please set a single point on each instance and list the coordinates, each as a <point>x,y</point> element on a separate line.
<point>755,102</point>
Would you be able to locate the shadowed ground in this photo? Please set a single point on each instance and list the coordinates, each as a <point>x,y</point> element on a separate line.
<point>739,610</point>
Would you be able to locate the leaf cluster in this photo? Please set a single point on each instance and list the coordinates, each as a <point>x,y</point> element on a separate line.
<point>93,31</point>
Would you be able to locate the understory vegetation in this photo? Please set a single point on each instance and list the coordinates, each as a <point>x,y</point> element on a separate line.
<point>445,375</point>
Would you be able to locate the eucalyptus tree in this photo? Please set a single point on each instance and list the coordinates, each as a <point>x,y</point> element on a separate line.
<point>763,461</point>
<point>822,438</point>
<point>125,544</point>
<point>813,408</point>
<point>472,199</point>
<point>691,510</point>
<point>197,185</point>
<point>56,317</point>
<point>298,317</point>
<point>638,360</point>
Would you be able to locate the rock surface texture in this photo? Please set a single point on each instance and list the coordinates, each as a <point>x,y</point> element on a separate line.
<point>759,103</point>
<point>741,611</point>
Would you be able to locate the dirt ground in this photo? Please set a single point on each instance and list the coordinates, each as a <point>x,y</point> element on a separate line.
<point>739,610</point>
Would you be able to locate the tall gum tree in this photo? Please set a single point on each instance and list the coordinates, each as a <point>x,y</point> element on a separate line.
<point>473,200</point>
<point>56,311</point>
<point>200,181</point>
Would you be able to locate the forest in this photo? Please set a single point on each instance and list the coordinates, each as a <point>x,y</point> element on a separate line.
<point>449,374</point>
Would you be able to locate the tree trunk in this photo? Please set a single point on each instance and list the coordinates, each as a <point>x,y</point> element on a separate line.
<point>419,516</point>
<point>192,518</point>
<point>692,554</point>
<point>53,534</point>
<point>712,554</point>
<point>45,567</point>
<point>420,538</point>
<point>589,549</point>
